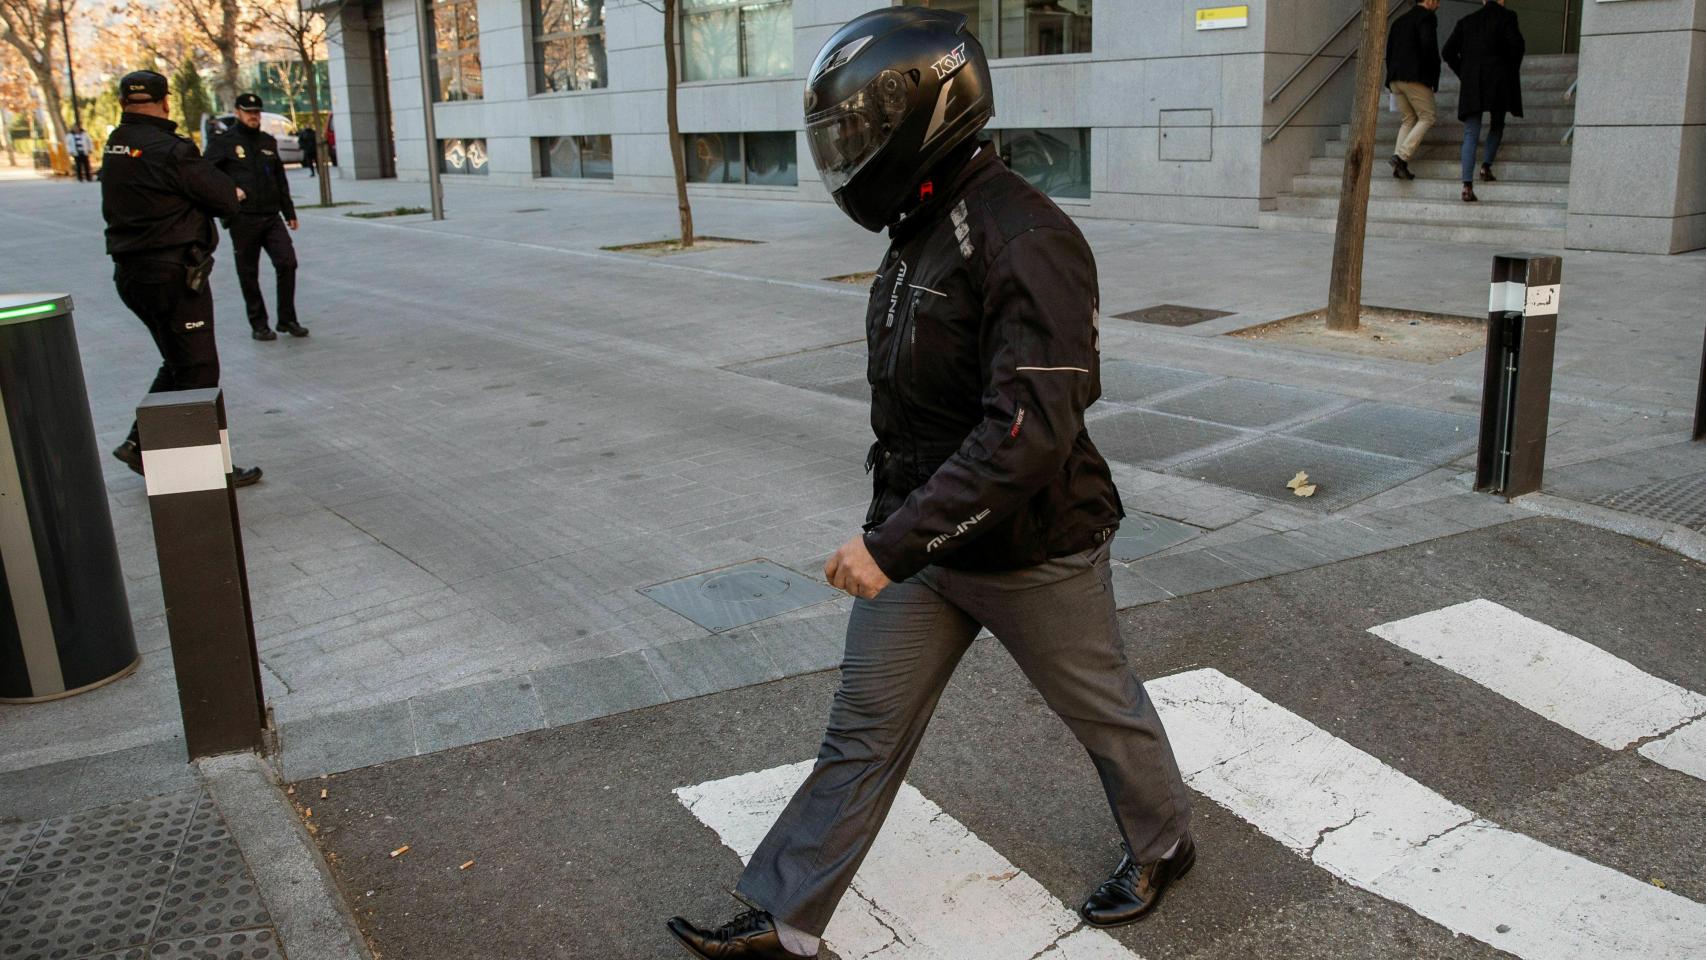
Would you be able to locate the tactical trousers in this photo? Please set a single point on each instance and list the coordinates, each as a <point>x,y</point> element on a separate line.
<point>250,233</point>
<point>1057,621</point>
<point>180,321</point>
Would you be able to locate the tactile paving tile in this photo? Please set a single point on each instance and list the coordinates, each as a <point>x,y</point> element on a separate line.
<point>1142,534</point>
<point>723,599</point>
<point>207,825</point>
<point>113,833</point>
<point>261,944</point>
<point>1156,439</point>
<point>80,911</point>
<point>1127,381</point>
<point>1248,403</point>
<point>1681,500</point>
<point>16,842</point>
<point>1342,476</point>
<point>211,891</point>
<point>1408,433</point>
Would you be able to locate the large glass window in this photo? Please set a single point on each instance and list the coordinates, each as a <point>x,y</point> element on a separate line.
<point>456,50</point>
<point>586,158</point>
<point>736,38</point>
<point>1055,161</point>
<point>1025,28</point>
<point>766,159</point>
<point>568,46</point>
<point>463,157</point>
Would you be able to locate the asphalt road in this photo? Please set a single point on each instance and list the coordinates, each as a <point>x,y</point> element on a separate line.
<point>580,847</point>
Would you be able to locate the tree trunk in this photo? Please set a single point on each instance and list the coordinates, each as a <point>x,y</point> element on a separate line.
<point>49,88</point>
<point>320,166</point>
<point>677,152</point>
<point>6,135</point>
<point>1344,290</point>
<point>229,14</point>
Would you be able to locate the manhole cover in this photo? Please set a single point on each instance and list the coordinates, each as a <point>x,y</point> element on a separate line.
<point>1172,315</point>
<point>723,599</point>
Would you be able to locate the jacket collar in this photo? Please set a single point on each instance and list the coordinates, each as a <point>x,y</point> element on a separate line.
<point>144,119</point>
<point>946,191</point>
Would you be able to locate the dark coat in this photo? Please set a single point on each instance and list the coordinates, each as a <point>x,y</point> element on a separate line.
<point>1485,51</point>
<point>1412,49</point>
<point>982,328</point>
<point>157,193</point>
<point>250,157</point>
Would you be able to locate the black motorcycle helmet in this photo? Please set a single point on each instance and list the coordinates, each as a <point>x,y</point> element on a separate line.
<point>890,95</point>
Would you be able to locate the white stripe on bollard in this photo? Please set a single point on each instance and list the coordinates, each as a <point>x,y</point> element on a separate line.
<point>184,469</point>
<point>1565,679</point>
<point>1377,829</point>
<point>929,890</point>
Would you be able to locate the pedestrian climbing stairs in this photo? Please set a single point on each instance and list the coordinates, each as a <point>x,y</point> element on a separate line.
<point>1525,207</point>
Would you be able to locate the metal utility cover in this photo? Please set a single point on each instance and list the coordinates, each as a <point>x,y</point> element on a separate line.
<point>1142,534</point>
<point>1681,501</point>
<point>1248,403</point>
<point>1155,439</point>
<point>1172,315</point>
<point>735,596</point>
<point>1127,381</point>
<point>1343,476</point>
<point>1408,433</point>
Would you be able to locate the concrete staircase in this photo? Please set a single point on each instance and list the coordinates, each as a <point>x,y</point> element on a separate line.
<point>1525,207</point>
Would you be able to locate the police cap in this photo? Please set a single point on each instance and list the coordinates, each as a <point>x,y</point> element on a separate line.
<point>142,86</point>
<point>248,101</point>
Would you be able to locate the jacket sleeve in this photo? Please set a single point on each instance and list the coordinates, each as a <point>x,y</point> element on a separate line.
<point>1039,351</point>
<point>214,193</point>
<point>1453,52</point>
<point>285,204</point>
<point>1512,40</point>
<point>1429,44</point>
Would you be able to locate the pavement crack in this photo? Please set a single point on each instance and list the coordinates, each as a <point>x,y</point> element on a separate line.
<point>1643,741</point>
<point>1430,838</point>
<point>1321,837</point>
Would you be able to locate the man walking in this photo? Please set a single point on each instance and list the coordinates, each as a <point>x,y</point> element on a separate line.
<point>1412,74</point>
<point>1485,51</point>
<point>310,144</point>
<point>249,155</point>
<point>991,505</point>
<point>78,144</point>
<point>159,196</point>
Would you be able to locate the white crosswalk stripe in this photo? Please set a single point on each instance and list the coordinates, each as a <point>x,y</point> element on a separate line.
<point>1563,678</point>
<point>1378,829</point>
<point>929,890</point>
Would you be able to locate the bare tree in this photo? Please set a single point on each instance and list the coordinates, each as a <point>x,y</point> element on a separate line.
<point>32,28</point>
<point>672,81</point>
<point>305,33</point>
<point>219,23</point>
<point>1344,289</point>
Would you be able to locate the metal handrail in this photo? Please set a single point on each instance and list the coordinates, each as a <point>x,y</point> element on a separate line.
<point>1316,55</point>
<point>1570,97</point>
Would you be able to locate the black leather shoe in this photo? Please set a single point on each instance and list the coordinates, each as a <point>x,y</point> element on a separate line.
<point>130,452</point>
<point>750,936</point>
<point>1133,891</point>
<point>1397,167</point>
<point>245,476</point>
<point>1487,173</point>
<point>262,333</point>
<point>293,328</point>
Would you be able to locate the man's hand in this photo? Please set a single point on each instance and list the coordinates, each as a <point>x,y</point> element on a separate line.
<point>852,570</point>
<point>241,196</point>
<point>291,224</point>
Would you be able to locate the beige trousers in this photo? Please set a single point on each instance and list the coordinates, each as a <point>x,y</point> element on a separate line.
<point>1416,103</point>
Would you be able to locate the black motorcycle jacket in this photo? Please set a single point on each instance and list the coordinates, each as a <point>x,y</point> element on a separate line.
<point>250,157</point>
<point>158,193</point>
<point>982,329</point>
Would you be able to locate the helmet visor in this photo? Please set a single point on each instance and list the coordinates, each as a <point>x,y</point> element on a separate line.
<point>846,136</point>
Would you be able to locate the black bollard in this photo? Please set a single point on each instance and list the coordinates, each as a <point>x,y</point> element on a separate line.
<point>1700,401</point>
<point>1516,395</point>
<point>186,458</point>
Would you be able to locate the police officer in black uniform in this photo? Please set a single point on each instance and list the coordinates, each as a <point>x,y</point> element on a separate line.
<point>159,196</point>
<point>991,508</point>
<point>249,155</point>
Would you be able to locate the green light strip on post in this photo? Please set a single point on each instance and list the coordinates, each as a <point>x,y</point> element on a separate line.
<point>28,311</point>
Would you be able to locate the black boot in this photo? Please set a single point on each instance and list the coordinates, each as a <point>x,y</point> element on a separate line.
<point>293,328</point>
<point>750,936</point>
<point>262,333</point>
<point>130,452</point>
<point>1133,891</point>
<point>245,476</point>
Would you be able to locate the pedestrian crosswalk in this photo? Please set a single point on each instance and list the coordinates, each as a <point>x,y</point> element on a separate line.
<point>932,890</point>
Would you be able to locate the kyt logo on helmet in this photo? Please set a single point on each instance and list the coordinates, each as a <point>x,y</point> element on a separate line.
<point>891,95</point>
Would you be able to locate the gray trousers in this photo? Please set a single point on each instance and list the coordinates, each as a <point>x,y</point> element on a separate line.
<point>1057,621</point>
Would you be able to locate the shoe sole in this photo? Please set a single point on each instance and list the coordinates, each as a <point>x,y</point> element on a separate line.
<point>685,945</point>
<point>1184,868</point>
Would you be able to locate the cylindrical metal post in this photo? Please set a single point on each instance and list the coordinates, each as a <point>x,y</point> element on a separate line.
<point>424,40</point>
<point>64,619</point>
<point>1700,402</point>
<point>186,458</point>
<point>1516,394</point>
